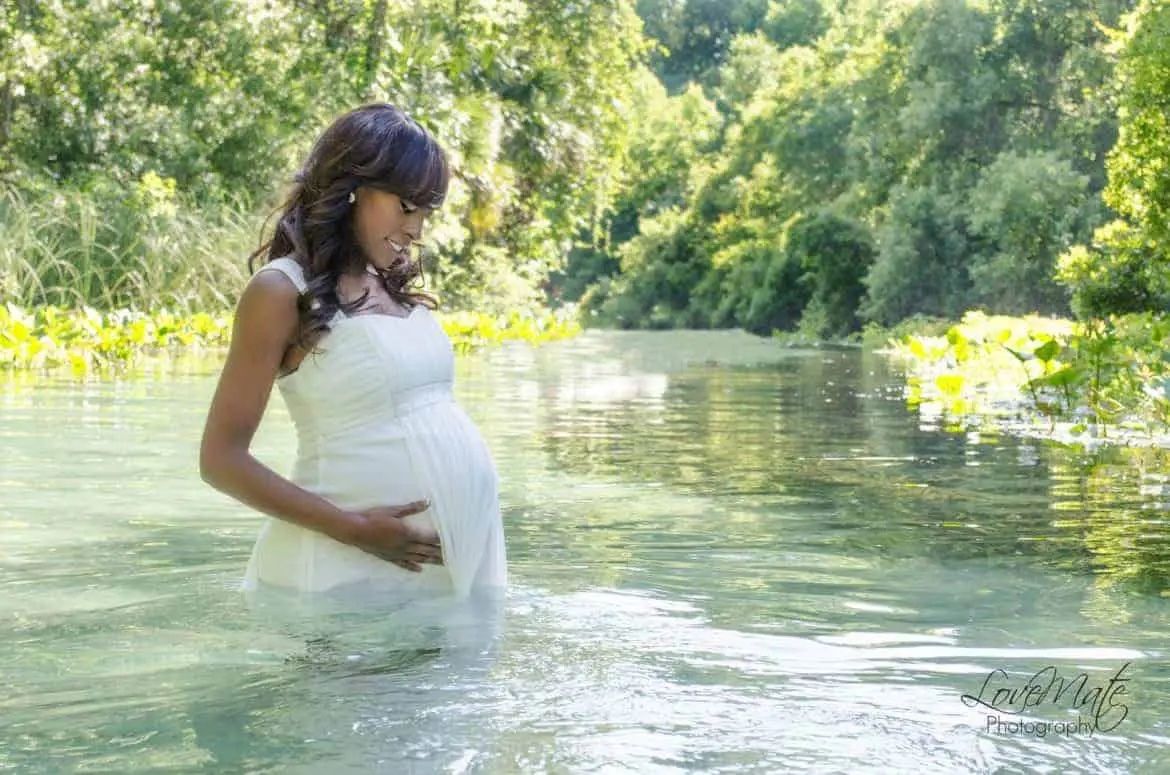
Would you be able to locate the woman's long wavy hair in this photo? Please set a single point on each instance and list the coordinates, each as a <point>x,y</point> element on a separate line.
<point>376,145</point>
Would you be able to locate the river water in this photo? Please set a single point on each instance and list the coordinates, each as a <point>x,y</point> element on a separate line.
<point>725,556</point>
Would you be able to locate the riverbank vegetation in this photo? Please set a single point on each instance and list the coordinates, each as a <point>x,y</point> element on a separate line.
<point>89,341</point>
<point>142,149</point>
<point>1086,382</point>
<point>797,166</point>
<point>864,162</point>
<point>1105,372</point>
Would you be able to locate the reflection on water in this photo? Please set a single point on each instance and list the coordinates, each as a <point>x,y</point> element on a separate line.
<point>723,554</point>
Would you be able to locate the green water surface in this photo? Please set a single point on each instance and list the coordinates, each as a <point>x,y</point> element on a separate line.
<point>725,556</point>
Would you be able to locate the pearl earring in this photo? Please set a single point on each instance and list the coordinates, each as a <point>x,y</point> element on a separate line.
<point>352,197</point>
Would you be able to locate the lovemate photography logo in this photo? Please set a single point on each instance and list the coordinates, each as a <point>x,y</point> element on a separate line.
<point>1099,705</point>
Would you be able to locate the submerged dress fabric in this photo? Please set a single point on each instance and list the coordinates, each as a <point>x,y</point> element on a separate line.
<point>377,424</point>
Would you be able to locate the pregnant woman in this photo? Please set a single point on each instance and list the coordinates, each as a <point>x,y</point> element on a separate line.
<point>393,488</point>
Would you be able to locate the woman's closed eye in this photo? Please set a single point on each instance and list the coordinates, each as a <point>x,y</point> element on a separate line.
<point>411,207</point>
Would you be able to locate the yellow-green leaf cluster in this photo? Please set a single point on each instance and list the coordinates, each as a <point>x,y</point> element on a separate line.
<point>87,339</point>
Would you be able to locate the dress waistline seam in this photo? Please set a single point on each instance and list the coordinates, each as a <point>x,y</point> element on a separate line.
<point>399,407</point>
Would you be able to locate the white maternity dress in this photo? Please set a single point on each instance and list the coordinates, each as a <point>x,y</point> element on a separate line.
<point>377,424</point>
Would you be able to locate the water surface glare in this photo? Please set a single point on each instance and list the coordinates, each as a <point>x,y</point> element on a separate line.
<point>725,556</point>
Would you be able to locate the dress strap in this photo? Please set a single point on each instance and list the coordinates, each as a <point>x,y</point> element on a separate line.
<point>290,268</point>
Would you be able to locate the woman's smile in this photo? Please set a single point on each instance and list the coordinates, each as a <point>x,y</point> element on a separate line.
<point>401,251</point>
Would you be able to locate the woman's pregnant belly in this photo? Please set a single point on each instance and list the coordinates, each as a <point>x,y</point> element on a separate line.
<point>394,463</point>
<point>434,452</point>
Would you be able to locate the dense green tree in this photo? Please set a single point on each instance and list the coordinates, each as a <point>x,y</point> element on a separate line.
<point>1126,265</point>
<point>669,138</point>
<point>963,142</point>
<point>530,97</point>
<point>1024,210</point>
<point>775,164</point>
<point>694,35</point>
<point>921,266</point>
<point>836,254</point>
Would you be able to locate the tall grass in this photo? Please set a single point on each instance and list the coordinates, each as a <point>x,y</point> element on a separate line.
<point>94,275</point>
<point>109,248</point>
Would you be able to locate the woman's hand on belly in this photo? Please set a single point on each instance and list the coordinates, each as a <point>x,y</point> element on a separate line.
<point>383,532</point>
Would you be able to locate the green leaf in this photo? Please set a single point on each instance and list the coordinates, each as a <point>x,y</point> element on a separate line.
<point>1069,375</point>
<point>1048,350</point>
<point>950,384</point>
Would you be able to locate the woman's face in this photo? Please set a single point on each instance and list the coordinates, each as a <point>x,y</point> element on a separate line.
<point>386,225</point>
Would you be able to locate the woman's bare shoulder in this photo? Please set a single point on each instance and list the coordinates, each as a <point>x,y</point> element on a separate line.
<point>269,301</point>
<point>271,286</point>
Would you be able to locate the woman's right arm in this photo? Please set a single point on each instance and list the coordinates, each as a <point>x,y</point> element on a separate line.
<point>265,322</point>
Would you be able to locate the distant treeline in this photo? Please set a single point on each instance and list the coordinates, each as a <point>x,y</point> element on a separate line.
<point>868,161</point>
<point>770,164</point>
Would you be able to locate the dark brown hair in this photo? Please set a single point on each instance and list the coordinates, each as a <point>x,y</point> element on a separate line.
<point>376,145</point>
